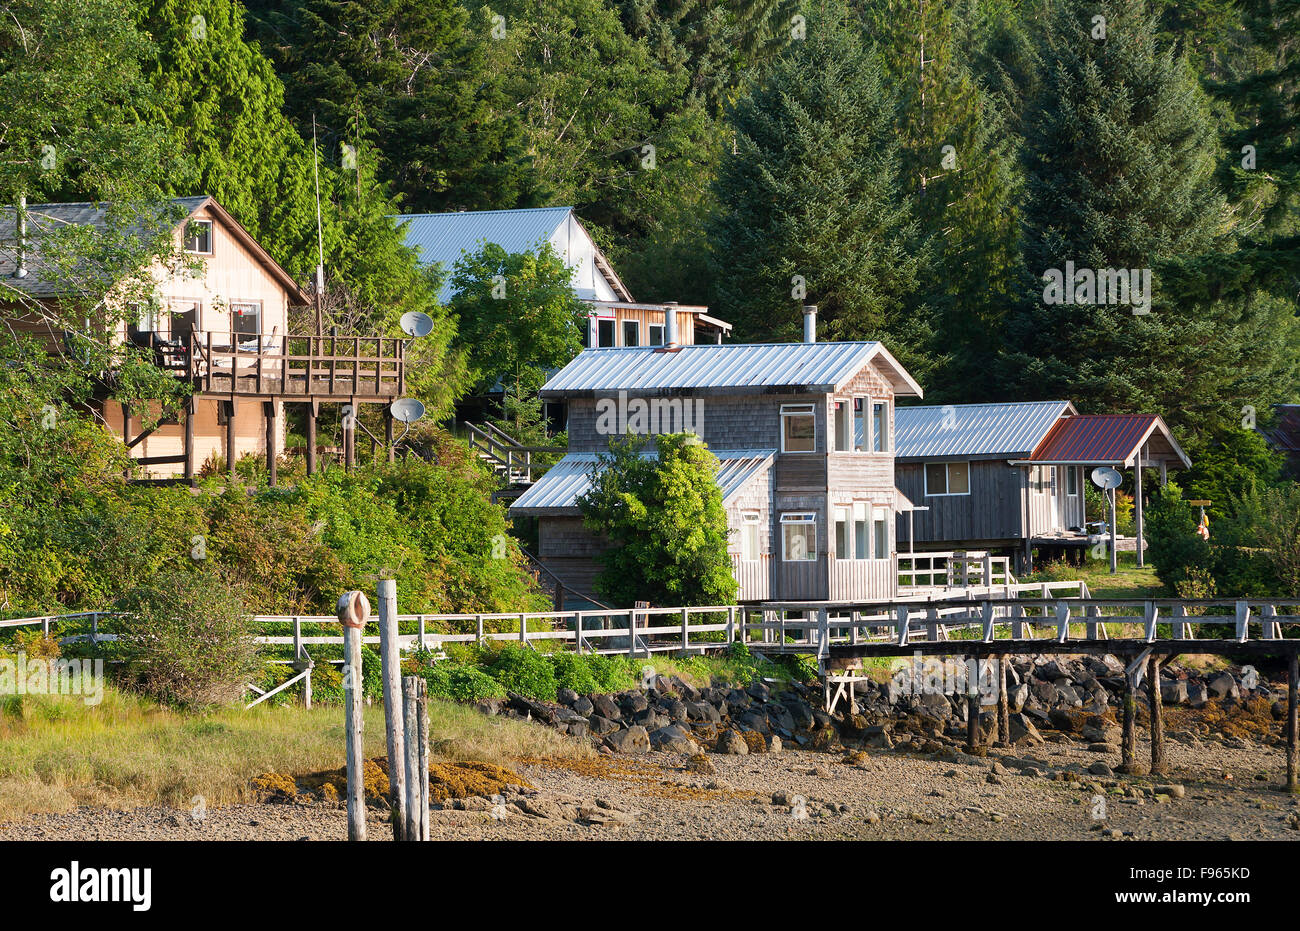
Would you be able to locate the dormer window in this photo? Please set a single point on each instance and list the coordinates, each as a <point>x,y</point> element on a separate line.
<point>198,237</point>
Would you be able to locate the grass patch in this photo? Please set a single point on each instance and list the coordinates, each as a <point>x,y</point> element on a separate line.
<point>57,753</point>
<point>1128,582</point>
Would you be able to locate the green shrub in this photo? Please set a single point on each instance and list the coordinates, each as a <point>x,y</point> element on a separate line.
<point>574,672</point>
<point>462,683</point>
<point>522,670</point>
<point>187,639</point>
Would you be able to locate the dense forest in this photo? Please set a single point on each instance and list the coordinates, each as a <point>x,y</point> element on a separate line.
<point>914,167</point>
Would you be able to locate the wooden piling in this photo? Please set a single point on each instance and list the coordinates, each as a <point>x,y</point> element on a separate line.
<point>1293,686</point>
<point>1004,710</point>
<point>1128,740</point>
<point>413,696</point>
<point>390,658</point>
<point>353,611</point>
<point>313,408</point>
<point>423,733</point>
<point>1156,701</point>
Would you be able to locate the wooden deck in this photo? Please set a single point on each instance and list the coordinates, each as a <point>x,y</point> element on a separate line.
<point>360,368</point>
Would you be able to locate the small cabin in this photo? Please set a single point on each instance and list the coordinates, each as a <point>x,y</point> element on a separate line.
<point>804,436</point>
<point>1010,477</point>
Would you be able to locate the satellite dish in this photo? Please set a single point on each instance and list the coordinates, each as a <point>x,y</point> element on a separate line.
<point>407,410</point>
<point>416,324</point>
<point>1106,477</point>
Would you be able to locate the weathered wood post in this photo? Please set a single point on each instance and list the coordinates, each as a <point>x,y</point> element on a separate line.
<point>1292,702</point>
<point>1158,766</point>
<point>1004,709</point>
<point>390,658</point>
<point>416,759</point>
<point>353,612</point>
<point>973,707</point>
<point>1128,740</point>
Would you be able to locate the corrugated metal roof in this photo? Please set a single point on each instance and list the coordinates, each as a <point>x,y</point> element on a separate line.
<point>1105,439</point>
<point>722,368</point>
<point>558,490</point>
<point>1011,429</point>
<point>444,237</point>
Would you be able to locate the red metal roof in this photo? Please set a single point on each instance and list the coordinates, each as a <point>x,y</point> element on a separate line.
<point>1099,438</point>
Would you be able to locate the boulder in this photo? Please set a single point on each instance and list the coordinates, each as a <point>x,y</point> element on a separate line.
<point>566,696</point>
<point>1016,697</point>
<point>1062,720</point>
<point>1101,769</point>
<point>633,702</point>
<point>1022,730</point>
<point>675,709</point>
<point>1197,694</point>
<point>703,711</point>
<point>730,742</point>
<point>633,739</point>
<point>584,706</point>
<point>1174,693</point>
<point>1224,686</point>
<point>606,707</point>
<point>754,720</point>
<point>801,713</point>
<point>673,739</point>
<point>758,690</point>
<point>601,726</point>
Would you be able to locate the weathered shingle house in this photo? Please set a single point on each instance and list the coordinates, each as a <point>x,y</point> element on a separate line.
<point>1010,477</point>
<point>615,320</point>
<point>804,433</point>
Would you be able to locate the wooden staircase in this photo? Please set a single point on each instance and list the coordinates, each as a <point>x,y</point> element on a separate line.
<point>509,460</point>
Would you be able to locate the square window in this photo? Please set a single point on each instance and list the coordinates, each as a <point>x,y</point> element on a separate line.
<point>936,478</point>
<point>631,333</point>
<point>958,478</point>
<point>605,332</point>
<point>656,335</point>
<point>198,237</point>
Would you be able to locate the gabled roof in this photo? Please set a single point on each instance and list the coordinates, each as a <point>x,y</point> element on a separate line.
<point>707,368</point>
<point>43,219</point>
<point>443,237</point>
<point>557,491</point>
<point>974,430</point>
<point>1110,439</point>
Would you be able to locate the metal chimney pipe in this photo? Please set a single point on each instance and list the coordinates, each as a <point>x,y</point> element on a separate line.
<point>20,269</point>
<point>670,325</point>
<point>810,323</point>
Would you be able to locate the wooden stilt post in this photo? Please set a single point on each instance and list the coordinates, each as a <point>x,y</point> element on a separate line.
<point>1128,740</point>
<point>1004,709</point>
<point>1158,765</point>
<point>313,408</point>
<point>190,405</point>
<point>973,708</point>
<point>126,423</point>
<point>394,719</point>
<point>232,409</point>
<point>269,409</point>
<point>388,435</point>
<point>1137,508</point>
<point>423,732</point>
<point>1292,702</point>
<point>353,612</point>
<point>349,436</point>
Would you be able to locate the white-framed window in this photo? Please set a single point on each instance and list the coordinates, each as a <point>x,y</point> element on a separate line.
<point>655,334</point>
<point>861,530</point>
<point>880,426</point>
<point>880,524</point>
<point>198,237</point>
<point>859,424</point>
<point>798,428</point>
<point>799,537</point>
<point>605,332</point>
<point>749,527</point>
<point>246,317</point>
<point>842,426</point>
<point>947,478</point>
<point>631,333</point>
<point>843,542</point>
<point>1071,480</point>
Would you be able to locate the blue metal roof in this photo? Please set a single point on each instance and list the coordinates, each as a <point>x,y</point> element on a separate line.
<point>443,237</point>
<point>557,491</point>
<point>725,368</point>
<point>993,430</point>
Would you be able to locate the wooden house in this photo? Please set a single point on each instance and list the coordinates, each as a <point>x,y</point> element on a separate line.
<point>804,435</point>
<point>1010,477</point>
<point>222,327</point>
<point>615,318</point>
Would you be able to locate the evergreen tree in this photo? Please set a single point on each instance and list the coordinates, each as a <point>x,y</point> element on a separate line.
<point>959,162</point>
<point>811,201</point>
<point>1120,154</point>
<point>411,78</point>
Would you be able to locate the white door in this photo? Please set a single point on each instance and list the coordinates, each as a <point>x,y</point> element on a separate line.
<point>1058,521</point>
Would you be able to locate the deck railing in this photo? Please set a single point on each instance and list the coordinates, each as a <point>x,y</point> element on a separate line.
<point>290,365</point>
